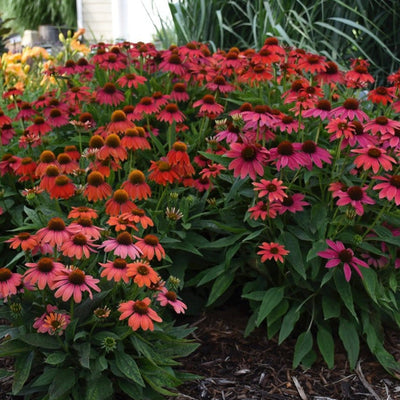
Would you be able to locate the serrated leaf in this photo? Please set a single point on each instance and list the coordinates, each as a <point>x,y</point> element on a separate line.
<point>23,365</point>
<point>351,342</point>
<point>326,346</point>
<point>303,347</point>
<point>271,299</point>
<point>127,365</point>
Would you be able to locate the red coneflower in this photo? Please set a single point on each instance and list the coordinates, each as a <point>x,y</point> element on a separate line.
<point>382,95</point>
<point>82,212</point>
<point>179,158</point>
<point>55,233</point>
<point>179,92</point>
<point>382,125</point>
<point>359,77</point>
<point>150,247</point>
<point>97,188</point>
<point>73,152</point>
<point>119,203</point>
<point>134,139</point>
<point>256,74</point>
<point>173,63</point>
<point>115,270</point>
<point>57,118</point>
<point>26,169</point>
<point>63,188</point>
<point>146,106</point>
<point>209,107</point>
<point>170,114</point>
<point>67,164</point>
<point>286,123</point>
<point>220,84</point>
<point>26,112</point>
<point>337,254</point>
<point>349,109</point>
<point>139,313</point>
<point>113,62</point>
<point>119,123</point>
<point>332,75</point>
<point>47,157</point>
<point>136,185</point>
<point>274,189</point>
<point>162,172</point>
<point>131,80</point>
<point>42,272</point>
<point>23,239</point>
<point>48,179</point>
<point>142,273</point>
<point>271,251</point>
<point>7,132</point>
<point>112,147</point>
<point>4,119</point>
<point>122,246</point>
<point>212,170</point>
<point>248,160</point>
<point>39,126</point>
<point>312,63</point>
<point>110,95</point>
<point>72,282</point>
<point>9,282</point>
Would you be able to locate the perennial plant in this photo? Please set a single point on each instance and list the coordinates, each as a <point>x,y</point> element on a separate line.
<point>142,172</point>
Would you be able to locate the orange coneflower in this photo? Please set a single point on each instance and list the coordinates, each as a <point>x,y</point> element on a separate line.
<point>119,203</point>
<point>67,164</point>
<point>162,172</point>
<point>120,223</point>
<point>134,139</point>
<point>63,188</point>
<point>115,270</point>
<point>46,158</point>
<point>142,273</point>
<point>97,188</point>
<point>138,216</point>
<point>82,212</point>
<point>136,185</point>
<point>26,169</point>
<point>179,158</point>
<point>48,179</point>
<point>23,239</point>
<point>55,323</point>
<point>139,313</point>
<point>119,123</point>
<point>112,147</point>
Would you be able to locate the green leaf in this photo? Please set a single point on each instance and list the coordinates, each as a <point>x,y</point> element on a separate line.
<point>257,295</point>
<point>370,282</point>
<point>216,158</point>
<point>221,284</point>
<point>55,358</point>
<point>63,382</point>
<point>41,340</point>
<point>276,314</point>
<point>211,273</point>
<point>295,257</point>
<point>225,241</point>
<point>326,346</point>
<point>344,289</point>
<point>270,300</point>
<point>318,219</point>
<point>349,336</point>
<point>303,347</point>
<point>129,388</point>
<point>288,323</point>
<point>100,388</point>
<point>46,378</point>
<point>84,353</point>
<point>23,365</point>
<point>318,246</point>
<point>330,307</point>
<point>127,365</point>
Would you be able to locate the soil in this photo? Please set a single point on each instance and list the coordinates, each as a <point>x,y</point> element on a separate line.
<point>255,368</point>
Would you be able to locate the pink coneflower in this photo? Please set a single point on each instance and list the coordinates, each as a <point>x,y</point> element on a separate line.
<point>55,233</point>
<point>373,157</point>
<point>260,116</point>
<point>23,239</point>
<point>322,110</point>
<point>170,114</point>
<point>72,282</point>
<point>263,210</point>
<point>230,134</point>
<point>150,247</point>
<point>313,153</point>
<point>136,185</point>
<point>274,190</point>
<point>389,188</point>
<point>109,94</point>
<point>173,63</point>
<point>271,251</point>
<point>139,313</point>
<point>285,155</point>
<point>286,123</point>
<point>338,254</point>
<point>78,246</point>
<point>138,216</point>
<point>312,63</point>
<point>292,203</point>
<point>169,297</point>
<point>355,196</point>
<point>112,148</point>
<point>115,270</point>
<point>82,212</point>
<point>9,282</point>
<point>248,160</point>
<point>143,274</point>
<point>122,246</point>
<point>131,80</point>
<point>119,203</point>
<point>57,118</point>
<point>349,109</point>
<point>212,170</point>
<point>382,125</point>
<point>209,107</point>
<point>85,226</point>
<point>42,272</point>
<point>220,84</point>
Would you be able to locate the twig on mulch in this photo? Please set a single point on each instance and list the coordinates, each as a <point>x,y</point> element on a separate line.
<point>365,382</point>
<point>299,388</point>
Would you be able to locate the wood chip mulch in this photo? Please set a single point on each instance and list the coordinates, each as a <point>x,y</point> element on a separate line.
<point>255,368</point>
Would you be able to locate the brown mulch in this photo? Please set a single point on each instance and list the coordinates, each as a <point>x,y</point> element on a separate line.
<point>255,368</point>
